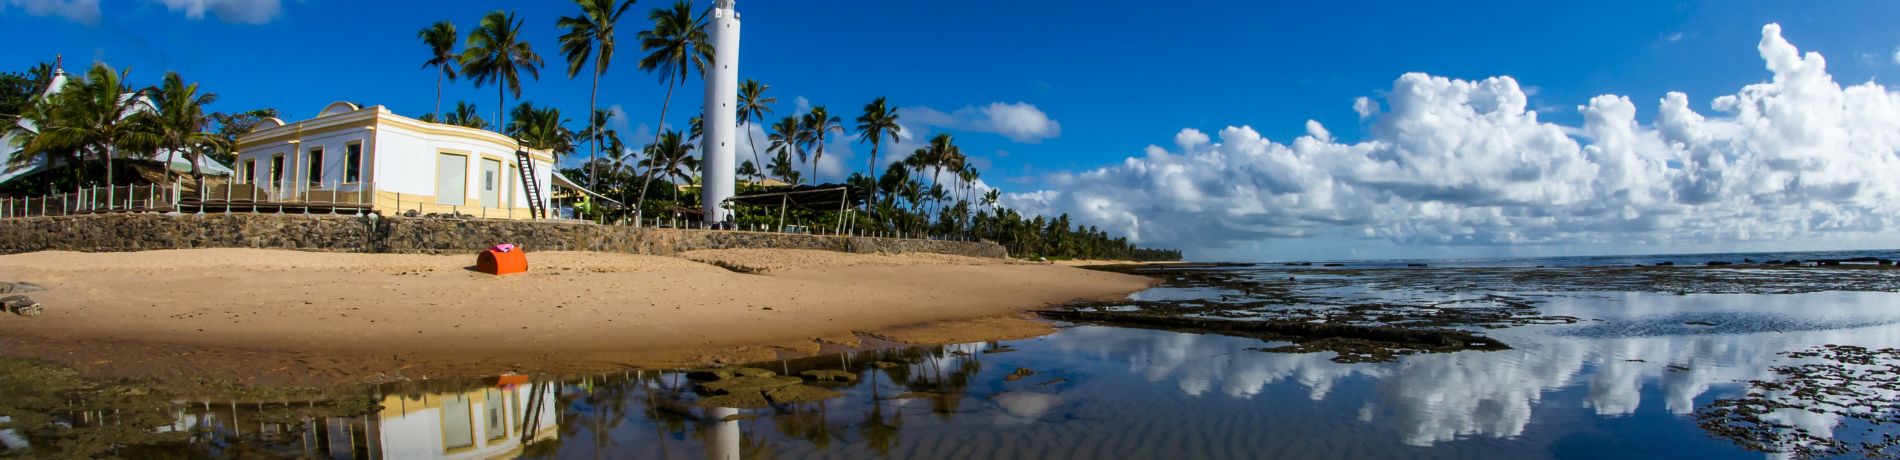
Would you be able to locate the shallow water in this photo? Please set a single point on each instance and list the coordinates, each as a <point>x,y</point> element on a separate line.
<point>1624,381</point>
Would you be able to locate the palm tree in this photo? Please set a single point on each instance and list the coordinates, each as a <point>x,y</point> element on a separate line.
<point>818,124</point>
<point>941,151</point>
<point>37,114</point>
<point>496,54</point>
<point>93,113</point>
<point>785,138</point>
<point>672,157</point>
<point>441,39</point>
<point>753,105</point>
<point>465,115</point>
<point>542,129</point>
<point>591,36</point>
<point>177,121</point>
<point>676,45</point>
<point>878,120</point>
<point>596,133</point>
<point>749,169</point>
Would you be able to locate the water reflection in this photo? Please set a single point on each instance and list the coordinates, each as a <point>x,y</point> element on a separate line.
<point>1624,380</point>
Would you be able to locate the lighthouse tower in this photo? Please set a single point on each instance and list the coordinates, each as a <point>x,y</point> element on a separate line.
<point>720,140</point>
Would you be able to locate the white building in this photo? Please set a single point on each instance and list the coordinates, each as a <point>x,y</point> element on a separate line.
<point>392,163</point>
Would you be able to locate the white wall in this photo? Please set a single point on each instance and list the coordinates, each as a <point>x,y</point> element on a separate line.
<point>398,159</point>
<point>296,161</point>
<point>406,162</point>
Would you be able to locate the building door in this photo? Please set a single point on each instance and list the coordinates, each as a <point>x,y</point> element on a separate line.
<point>491,183</point>
<point>451,179</point>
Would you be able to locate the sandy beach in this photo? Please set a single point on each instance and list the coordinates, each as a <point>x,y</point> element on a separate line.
<point>270,316</point>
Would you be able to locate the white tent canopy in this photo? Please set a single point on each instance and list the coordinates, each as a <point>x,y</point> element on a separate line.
<point>9,148</point>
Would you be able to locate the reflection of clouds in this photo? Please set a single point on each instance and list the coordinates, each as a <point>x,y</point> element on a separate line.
<point>1198,362</point>
<point>1437,398</point>
<point>1021,407</point>
<point>1442,397</point>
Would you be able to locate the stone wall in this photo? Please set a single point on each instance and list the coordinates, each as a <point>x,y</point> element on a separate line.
<point>139,232</point>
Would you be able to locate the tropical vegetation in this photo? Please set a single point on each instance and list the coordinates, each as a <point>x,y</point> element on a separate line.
<point>922,188</point>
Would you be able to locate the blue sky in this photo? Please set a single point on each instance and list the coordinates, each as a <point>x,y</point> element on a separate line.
<point>1117,76</point>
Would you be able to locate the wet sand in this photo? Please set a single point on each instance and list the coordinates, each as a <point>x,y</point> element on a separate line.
<point>269,316</point>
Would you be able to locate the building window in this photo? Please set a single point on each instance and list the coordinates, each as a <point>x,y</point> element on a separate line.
<point>250,171</point>
<point>276,170</point>
<point>316,166</point>
<point>353,163</point>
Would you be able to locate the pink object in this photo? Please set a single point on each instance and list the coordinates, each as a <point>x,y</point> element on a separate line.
<point>504,247</point>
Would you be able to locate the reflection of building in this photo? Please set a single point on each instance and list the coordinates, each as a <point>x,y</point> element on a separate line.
<point>481,423</point>
<point>484,423</point>
<point>367,155</point>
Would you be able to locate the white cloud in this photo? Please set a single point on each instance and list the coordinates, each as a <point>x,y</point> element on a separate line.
<point>238,11</point>
<point>1020,122</point>
<point>1456,162</point>
<point>80,11</point>
<point>801,106</point>
<point>1896,55</point>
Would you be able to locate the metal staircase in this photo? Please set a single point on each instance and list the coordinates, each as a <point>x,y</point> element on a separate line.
<point>536,208</point>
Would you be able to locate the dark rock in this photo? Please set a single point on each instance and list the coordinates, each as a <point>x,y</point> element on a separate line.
<point>1718,263</point>
<point>830,375</point>
<point>20,305</point>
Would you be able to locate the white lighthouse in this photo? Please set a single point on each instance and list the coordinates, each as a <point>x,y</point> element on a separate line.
<point>721,118</point>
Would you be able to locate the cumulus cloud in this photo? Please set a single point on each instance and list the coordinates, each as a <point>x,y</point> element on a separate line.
<point>80,11</point>
<point>1459,162</point>
<point>238,11</point>
<point>1020,122</point>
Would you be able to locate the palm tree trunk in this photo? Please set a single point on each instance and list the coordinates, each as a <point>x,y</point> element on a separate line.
<point>438,93</point>
<point>169,155</point>
<point>819,155</point>
<point>197,175</point>
<point>501,109</point>
<point>103,150</point>
<point>874,143</point>
<point>757,167</point>
<point>646,180</point>
<point>593,126</point>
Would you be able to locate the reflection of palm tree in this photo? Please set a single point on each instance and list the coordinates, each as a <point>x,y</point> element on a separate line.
<point>880,433</point>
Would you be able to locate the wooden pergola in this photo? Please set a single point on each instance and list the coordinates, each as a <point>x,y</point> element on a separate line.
<point>822,197</point>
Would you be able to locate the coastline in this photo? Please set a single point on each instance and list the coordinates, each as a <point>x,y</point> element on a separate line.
<point>260,316</point>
